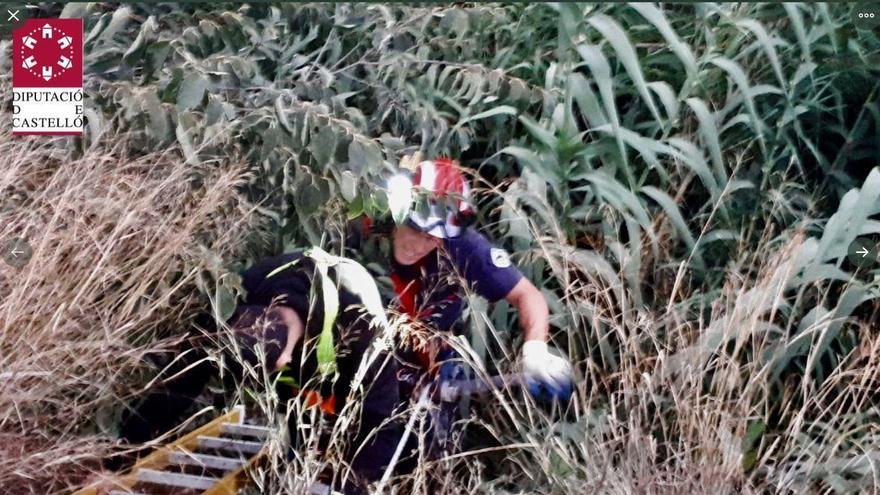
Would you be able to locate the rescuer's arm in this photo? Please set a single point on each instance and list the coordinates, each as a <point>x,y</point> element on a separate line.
<point>547,375</point>
<point>534,316</point>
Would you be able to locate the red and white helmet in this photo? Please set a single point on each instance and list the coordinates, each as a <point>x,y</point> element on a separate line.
<point>446,210</point>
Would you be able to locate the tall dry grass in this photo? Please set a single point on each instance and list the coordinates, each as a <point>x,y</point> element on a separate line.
<point>674,418</point>
<point>118,243</point>
<point>671,418</point>
<point>677,395</point>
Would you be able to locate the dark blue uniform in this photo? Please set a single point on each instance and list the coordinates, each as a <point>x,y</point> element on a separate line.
<point>432,289</point>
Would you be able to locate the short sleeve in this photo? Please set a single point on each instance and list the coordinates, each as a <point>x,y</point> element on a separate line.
<point>487,268</point>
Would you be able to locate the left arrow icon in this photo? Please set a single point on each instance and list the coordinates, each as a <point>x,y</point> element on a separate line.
<point>16,252</point>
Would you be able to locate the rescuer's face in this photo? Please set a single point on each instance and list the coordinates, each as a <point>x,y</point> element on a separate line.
<point>410,245</point>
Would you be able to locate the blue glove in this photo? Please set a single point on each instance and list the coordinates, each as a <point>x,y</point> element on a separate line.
<point>548,376</point>
<point>451,366</point>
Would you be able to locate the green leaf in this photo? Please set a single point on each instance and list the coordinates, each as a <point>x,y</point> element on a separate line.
<point>456,20</point>
<point>720,235</point>
<point>286,379</point>
<point>355,207</point>
<point>158,118</point>
<point>852,297</point>
<point>852,213</point>
<point>797,21</point>
<point>621,198</point>
<point>656,17</point>
<point>499,110</point>
<point>399,198</point>
<point>365,156</point>
<point>145,35</point>
<point>545,137</point>
<point>75,10</point>
<point>225,301</point>
<point>117,23</point>
<point>312,194</point>
<point>326,349</point>
<point>322,146</point>
<point>647,148</point>
<point>750,444</point>
<point>518,91</point>
<point>814,322</point>
<point>186,144</point>
<point>626,53</point>
<point>632,264</point>
<point>192,91</point>
<point>587,100</point>
<point>667,98</point>
<point>154,57</point>
<point>672,211</point>
<point>739,77</point>
<point>691,156</point>
<point>534,162</point>
<point>217,110</point>
<point>601,71</point>
<point>95,124</point>
<point>348,185</point>
<point>282,268</point>
<point>767,45</point>
<point>710,136</point>
<point>358,281</point>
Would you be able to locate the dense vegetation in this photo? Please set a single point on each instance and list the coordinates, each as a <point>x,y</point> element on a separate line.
<point>682,181</point>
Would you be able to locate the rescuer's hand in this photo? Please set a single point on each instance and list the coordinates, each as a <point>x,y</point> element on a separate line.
<point>547,376</point>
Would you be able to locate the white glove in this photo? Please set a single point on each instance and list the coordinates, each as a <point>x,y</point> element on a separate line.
<point>548,376</point>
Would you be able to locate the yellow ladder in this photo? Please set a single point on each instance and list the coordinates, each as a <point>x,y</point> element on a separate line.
<point>162,469</point>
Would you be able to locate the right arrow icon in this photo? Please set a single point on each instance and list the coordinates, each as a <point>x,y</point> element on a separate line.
<point>863,252</point>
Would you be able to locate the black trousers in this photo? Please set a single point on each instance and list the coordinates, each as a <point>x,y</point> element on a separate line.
<point>179,385</point>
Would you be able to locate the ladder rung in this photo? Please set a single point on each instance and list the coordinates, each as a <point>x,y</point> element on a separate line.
<point>208,461</point>
<point>245,430</point>
<point>319,488</point>
<point>175,479</point>
<point>227,444</point>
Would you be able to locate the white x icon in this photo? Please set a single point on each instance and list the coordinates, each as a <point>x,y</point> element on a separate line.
<point>12,15</point>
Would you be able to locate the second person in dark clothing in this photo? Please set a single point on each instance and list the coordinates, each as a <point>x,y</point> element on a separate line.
<point>277,327</point>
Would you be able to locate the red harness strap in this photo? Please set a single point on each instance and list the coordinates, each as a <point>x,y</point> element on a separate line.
<point>312,398</point>
<point>406,293</point>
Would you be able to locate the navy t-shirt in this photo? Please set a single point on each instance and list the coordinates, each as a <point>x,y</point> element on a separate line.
<point>432,288</point>
<point>486,268</point>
